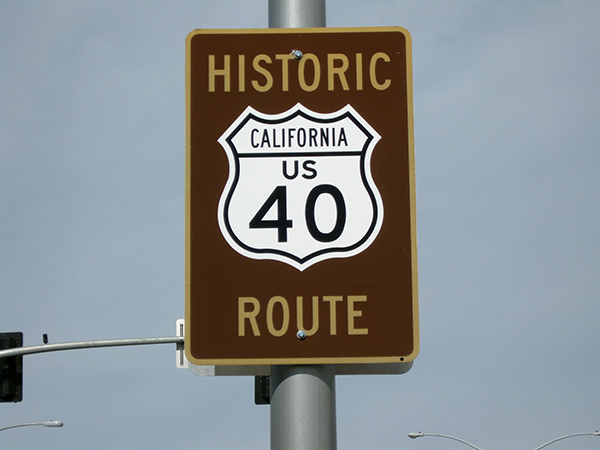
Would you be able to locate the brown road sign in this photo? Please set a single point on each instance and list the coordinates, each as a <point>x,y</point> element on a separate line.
<point>300,197</point>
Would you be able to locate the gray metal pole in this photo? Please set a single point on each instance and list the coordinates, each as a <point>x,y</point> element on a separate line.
<point>303,408</point>
<point>302,397</point>
<point>296,13</point>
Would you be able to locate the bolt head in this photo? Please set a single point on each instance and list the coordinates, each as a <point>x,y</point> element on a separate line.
<point>301,335</point>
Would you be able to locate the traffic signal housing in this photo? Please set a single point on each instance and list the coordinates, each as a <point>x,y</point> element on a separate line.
<point>11,369</point>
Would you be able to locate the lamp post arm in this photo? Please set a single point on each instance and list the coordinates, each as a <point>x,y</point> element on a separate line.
<point>454,438</point>
<point>20,425</point>
<point>568,436</point>
<point>52,423</point>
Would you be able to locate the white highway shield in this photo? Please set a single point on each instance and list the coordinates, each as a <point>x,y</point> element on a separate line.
<point>300,188</point>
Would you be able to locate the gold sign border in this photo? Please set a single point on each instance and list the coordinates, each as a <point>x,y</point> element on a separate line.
<point>413,212</point>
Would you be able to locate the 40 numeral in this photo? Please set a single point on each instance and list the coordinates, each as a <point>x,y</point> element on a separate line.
<point>278,199</point>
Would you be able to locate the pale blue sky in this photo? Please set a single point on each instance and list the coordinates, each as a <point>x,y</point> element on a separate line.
<point>507,101</point>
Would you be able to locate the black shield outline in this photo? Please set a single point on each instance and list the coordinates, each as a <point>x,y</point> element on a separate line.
<point>294,112</point>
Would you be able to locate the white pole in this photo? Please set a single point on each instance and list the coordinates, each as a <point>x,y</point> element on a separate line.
<point>302,397</point>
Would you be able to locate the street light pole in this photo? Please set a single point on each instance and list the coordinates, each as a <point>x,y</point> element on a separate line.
<point>296,13</point>
<point>596,433</point>
<point>419,434</point>
<point>51,423</point>
<point>302,397</point>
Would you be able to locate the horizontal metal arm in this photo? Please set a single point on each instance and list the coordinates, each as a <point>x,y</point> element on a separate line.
<point>452,437</point>
<point>568,436</point>
<point>51,423</point>
<point>88,344</point>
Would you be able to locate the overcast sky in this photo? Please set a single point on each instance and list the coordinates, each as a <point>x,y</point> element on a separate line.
<point>506,109</point>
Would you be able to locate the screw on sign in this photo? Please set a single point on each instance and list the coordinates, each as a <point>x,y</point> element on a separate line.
<point>300,214</point>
